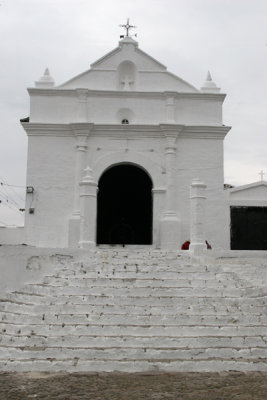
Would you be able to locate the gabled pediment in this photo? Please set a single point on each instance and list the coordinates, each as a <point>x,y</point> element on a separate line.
<point>128,49</point>
<point>128,68</point>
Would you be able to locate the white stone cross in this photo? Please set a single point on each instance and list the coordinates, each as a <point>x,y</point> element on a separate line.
<point>127,81</point>
<point>262,174</point>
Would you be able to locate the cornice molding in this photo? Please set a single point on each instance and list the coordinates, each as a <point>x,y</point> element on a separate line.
<point>171,129</point>
<point>119,131</point>
<point>52,92</point>
<point>119,93</point>
<point>81,128</point>
<point>205,132</point>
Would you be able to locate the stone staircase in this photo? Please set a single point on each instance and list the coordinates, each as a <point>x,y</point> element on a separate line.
<point>138,310</point>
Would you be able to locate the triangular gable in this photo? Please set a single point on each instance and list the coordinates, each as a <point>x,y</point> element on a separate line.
<point>101,62</point>
<point>102,75</point>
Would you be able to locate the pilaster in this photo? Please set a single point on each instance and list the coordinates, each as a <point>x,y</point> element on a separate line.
<point>170,107</point>
<point>81,133</point>
<point>170,226</point>
<point>88,210</point>
<point>82,110</point>
<point>197,216</point>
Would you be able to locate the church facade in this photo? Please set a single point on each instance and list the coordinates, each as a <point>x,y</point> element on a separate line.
<point>112,154</point>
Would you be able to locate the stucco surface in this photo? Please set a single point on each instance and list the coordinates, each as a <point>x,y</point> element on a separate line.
<point>12,235</point>
<point>63,107</point>
<point>132,310</point>
<point>51,171</point>
<point>20,264</point>
<point>175,133</point>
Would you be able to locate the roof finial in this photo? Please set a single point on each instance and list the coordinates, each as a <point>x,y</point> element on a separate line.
<point>45,81</point>
<point>127,27</point>
<point>209,86</point>
<point>46,73</point>
<point>208,76</point>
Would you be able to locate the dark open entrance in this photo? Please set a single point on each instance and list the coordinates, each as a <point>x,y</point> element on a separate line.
<point>124,206</point>
<point>249,228</point>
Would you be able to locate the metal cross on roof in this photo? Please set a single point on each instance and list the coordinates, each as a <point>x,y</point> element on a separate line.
<point>127,27</point>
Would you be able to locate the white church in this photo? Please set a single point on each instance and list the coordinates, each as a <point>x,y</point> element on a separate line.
<point>113,152</point>
<point>129,155</point>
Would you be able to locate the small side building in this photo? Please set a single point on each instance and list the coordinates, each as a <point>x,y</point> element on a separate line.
<point>247,216</point>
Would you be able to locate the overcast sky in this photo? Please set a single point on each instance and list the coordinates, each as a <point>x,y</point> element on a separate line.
<point>190,37</point>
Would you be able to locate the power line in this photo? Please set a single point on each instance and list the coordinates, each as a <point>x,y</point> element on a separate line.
<point>3,183</point>
<point>17,186</point>
<point>4,188</point>
<point>9,199</point>
<point>12,207</point>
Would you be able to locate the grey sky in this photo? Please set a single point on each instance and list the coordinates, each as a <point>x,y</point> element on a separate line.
<point>190,37</point>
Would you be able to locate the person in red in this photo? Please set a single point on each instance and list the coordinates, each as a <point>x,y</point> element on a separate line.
<point>185,245</point>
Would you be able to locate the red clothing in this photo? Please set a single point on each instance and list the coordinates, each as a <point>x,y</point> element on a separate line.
<point>185,245</point>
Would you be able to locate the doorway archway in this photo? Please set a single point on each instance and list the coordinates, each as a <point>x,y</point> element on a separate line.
<point>124,206</point>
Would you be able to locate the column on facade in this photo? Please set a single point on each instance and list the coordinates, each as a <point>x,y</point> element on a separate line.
<point>170,223</point>
<point>88,195</point>
<point>81,149</point>
<point>81,132</point>
<point>82,109</point>
<point>158,202</point>
<point>170,108</point>
<point>197,216</point>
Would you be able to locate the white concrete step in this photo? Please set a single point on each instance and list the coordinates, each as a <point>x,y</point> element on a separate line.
<point>47,320</point>
<point>46,290</point>
<point>74,365</point>
<point>128,353</point>
<point>141,305</point>
<point>93,329</point>
<point>135,311</point>
<point>35,343</point>
<point>115,282</point>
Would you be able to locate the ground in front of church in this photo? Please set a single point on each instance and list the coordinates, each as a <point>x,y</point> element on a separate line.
<point>134,386</point>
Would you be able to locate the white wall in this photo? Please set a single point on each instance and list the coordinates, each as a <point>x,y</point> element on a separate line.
<point>103,107</point>
<point>159,98</point>
<point>12,235</point>
<point>202,159</point>
<point>26,264</point>
<point>51,168</point>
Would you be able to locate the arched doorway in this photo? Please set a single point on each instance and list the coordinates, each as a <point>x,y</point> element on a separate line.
<point>124,206</point>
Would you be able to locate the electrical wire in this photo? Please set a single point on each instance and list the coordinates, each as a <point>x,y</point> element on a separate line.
<point>12,207</point>
<point>17,186</point>
<point>3,183</point>
<point>9,200</point>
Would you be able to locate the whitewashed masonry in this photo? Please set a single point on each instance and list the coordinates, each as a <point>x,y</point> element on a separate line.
<point>174,133</point>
